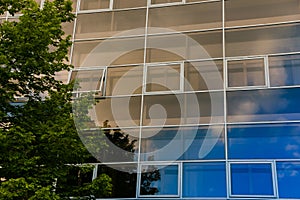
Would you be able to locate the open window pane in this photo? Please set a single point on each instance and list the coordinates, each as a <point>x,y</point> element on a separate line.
<point>204,180</point>
<point>163,78</point>
<point>124,80</point>
<point>284,70</point>
<point>248,72</point>
<point>253,179</point>
<point>88,80</point>
<point>159,180</point>
<point>288,175</point>
<point>94,4</point>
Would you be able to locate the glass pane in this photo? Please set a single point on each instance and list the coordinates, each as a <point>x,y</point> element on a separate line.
<point>129,3</point>
<point>108,52</point>
<point>251,179</point>
<point>164,1</point>
<point>119,111</point>
<point>124,80</point>
<point>288,175</point>
<point>263,105</point>
<point>204,180</point>
<point>175,47</point>
<point>244,12</point>
<point>105,24</point>
<point>264,141</point>
<point>163,78</point>
<point>199,74</point>
<point>185,143</point>
<point>88,80</point>
<point>94,4</point>
<point>192,17</point>
<point>284,70</point>
<point>159,180</point>
<point>123,177</point>
<point>263,40</point>
<point>183,109</point>
<point>248,72</point>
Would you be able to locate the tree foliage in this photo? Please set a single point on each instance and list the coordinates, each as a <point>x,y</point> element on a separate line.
<point>38,138</point>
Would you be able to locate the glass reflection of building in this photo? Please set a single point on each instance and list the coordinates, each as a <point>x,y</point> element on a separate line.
<point>256,48</point>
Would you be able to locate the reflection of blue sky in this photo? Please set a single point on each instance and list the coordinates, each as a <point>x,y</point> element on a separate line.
<point>264,105</point>
<point>204,180</point>
<point>288,174</point>
<point>264,141</point>
<point>166,135</point>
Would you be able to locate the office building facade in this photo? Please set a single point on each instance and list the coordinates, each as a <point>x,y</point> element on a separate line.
<point>193,137</point>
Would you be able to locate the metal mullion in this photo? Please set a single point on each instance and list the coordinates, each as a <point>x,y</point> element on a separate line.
<point>267,71</point>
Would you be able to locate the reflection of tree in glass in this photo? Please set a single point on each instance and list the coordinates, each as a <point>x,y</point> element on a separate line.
<point>120,139</point>
<point>149,175</point>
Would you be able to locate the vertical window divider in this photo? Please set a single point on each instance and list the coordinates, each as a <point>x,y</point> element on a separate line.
<point>267,72</point>
<point>111,4</point>
<point>95,170</point>
<point>275,180</point>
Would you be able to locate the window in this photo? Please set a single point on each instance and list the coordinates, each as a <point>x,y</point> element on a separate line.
<point>288,175</point>
<point>265,141</point>
<point>159,180</point>
<point>164,78</point>
<point>192,17</point>
<point>204,180</point>
<point>94,4</point>
<point>262,40</point>
<point>263,105</point>
<point>125,80</point>
<point>251,179</point>
<point>182,143</point>
<point>89,80</point>
<point>284,70</point>
<point>246,72</point>
<point>129,3</point>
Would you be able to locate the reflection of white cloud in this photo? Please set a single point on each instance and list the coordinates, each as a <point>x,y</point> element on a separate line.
<point>291,147</point>
<point>294,173</point>
<point>278,75</point>
<point>296,154</point>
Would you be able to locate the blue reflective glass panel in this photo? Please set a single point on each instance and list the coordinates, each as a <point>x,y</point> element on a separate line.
<point>204,180</point>
<point>288,176</point>
<point>263,105</point>
<point>284,70</point>
<point>264,141</point>
<point>159,180</point>
<point>251,179</point>
<point>182,143</point>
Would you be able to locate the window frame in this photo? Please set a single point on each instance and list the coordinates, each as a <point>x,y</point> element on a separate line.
<point>179,174</point>
<point>181,78</point>
<point>150,4</point>
<point>102,85</point>
<point>246,58</point>
<point>273,175</point>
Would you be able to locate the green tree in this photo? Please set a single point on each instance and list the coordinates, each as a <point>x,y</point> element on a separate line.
<point>38,139</point>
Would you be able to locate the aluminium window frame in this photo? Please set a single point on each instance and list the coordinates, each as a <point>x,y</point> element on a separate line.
<point>242,58</point>
<point>246,196</point>
<point>165,164</point>
<point>150,4</point>
<point>102,85</point>
<point>181,78</point>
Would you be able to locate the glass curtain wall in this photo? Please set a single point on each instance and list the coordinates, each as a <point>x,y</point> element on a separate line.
<point>235,140</point>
